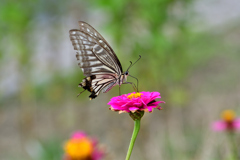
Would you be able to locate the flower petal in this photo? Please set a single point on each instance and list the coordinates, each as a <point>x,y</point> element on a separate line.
<point>236,124</point>
<point>219,126</point>
<point>133,109</point>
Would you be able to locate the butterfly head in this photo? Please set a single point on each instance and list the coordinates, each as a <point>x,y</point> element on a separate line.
<point>125,74</point>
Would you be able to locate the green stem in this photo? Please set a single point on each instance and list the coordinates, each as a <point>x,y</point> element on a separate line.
<point>232,140</point>
<point>134,136</point>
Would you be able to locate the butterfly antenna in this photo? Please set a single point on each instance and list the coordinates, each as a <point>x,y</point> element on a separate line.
<point>129,65</point>
<point>134,62</point>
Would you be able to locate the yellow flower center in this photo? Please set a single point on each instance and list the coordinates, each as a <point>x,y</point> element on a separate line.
<point>79,148</point>
<point>228,115</point>
<point>134,95</point>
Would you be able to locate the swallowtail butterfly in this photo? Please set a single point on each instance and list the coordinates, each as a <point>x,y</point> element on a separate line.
<point>97,60</point>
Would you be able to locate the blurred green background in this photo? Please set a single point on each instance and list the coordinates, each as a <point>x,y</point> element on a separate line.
<point>190,54</point>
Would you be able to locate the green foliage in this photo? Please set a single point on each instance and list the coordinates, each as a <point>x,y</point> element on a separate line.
<point>51,150</point>
<point>159,32</point>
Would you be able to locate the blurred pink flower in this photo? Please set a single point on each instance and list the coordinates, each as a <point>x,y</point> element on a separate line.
<point>82,147</point>
<point>228,122</point>
<point>132,102</point>
<point>78,135</point>
<point>222,125</point>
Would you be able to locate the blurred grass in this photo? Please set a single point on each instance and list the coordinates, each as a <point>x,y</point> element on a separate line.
<point>195,71</point>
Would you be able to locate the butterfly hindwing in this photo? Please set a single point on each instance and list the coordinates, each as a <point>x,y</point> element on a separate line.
<point>96,83</point>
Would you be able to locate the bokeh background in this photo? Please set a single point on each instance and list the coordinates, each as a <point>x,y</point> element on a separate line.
<point>190,54</point>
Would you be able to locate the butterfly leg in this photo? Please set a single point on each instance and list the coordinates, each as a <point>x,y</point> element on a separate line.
<point>133,85</point>
<point>119,91</point>
<point>81,92</point>
<point>136,79</point>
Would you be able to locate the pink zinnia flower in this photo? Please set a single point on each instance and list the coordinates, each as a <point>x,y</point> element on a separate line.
<point>82,147</point>
<point>228,122</point>
<point>132,102</point>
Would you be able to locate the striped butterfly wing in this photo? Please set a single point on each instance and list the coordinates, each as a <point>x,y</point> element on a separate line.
<point>96,58</point>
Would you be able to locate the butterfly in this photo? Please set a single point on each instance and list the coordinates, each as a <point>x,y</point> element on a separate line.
<point>98,61</point>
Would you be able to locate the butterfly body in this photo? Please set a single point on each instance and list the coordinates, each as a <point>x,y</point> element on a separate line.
<point>97,60</point>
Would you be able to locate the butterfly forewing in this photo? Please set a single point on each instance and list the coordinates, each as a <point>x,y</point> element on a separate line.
<point>88,29</point>
<point>91,43</point>
<point>96,58</point>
